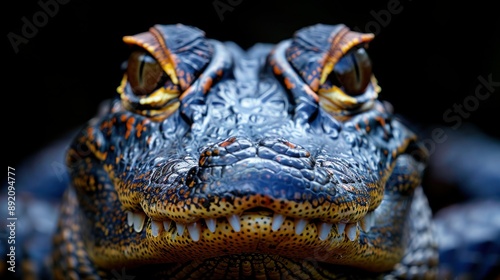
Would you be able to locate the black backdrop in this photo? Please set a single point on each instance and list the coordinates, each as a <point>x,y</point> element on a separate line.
<point>427,57</point>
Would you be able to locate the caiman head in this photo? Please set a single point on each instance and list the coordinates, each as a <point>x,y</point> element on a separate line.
<point>275,162</point>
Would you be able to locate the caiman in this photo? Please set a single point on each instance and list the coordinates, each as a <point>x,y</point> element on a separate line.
<point>275,162</point>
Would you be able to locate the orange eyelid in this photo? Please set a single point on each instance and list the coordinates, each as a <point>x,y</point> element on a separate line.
<point>157,49</point>
<point>340,46</point>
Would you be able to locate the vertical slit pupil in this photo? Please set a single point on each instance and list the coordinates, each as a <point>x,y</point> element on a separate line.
<point>141,68</point>
<point>144,73</point>
<point>356,67</point>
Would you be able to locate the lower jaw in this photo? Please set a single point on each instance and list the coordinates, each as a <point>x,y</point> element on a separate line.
<point>246,266</point>
<point>255,238</point>
<point>277,255</point>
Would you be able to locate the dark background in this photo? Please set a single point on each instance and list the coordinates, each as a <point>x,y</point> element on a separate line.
<point>427,57</point>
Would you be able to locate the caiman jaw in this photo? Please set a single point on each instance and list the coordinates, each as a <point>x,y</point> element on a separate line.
<point>256,231</point>
<point>268,197</point>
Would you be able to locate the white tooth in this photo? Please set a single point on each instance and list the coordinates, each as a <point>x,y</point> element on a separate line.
<point>180,228</point>
<point>324,230</point>
<point>155,228</point>
<point>278,220</point>
<point>367,222</point>
<point>166,224</point>
<point>351,231</point>
<point>340,228</point>
<point>211,224</point>
<point>300,225</point>
<point>138,219</point>
<point>194,230</point>
<point>234,221</point>
<point>130,218</point>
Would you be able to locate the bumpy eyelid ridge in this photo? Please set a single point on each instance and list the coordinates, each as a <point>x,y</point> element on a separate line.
<point>313,53</point>
<point>348,41</point>
<point>219,67</point>
<point>305,99</point>
<point>315,50</point>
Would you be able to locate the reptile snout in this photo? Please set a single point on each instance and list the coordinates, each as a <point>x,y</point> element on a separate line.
<point>270,167</point>
<point>241,150</point>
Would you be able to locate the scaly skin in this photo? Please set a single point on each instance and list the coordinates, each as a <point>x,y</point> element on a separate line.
<point>212,174</point>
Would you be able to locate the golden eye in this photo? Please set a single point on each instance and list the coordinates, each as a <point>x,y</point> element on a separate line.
<point>353,72</point>
<point>144,73</point>
<point>165,61</point>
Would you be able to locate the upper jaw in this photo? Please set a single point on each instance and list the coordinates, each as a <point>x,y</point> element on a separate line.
<point>228,181</point>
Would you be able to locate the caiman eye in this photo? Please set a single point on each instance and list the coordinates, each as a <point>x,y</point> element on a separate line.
<point>163,64</point>
<point>144,73</point>
<point>353,72</point>
<point>333,62</point>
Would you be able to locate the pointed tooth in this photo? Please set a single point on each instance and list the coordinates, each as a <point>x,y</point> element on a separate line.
<point>180,228</point>
<point>340,228</point>
<point>156,228</point>
<point>194,230</point>
<point>138,218</point>
<point>367,222</point>
<point>166,224</point>
<point>130,218</point>
<point>211,224</point>
<point>234,221</point>
<point>278,220</point>
<point>324,230</point>
<point>351,231</point>
<point>300,225</point>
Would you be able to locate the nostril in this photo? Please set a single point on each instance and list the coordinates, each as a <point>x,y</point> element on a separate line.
<point>191,179</point>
